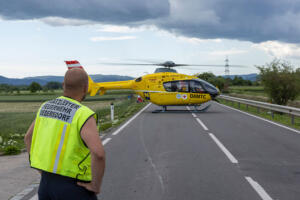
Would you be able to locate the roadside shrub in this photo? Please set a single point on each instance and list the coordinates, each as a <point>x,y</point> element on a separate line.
<point>12,150</point>
<point>105,126</point>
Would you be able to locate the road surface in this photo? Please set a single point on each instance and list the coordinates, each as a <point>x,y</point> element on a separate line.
<point>221,154</point>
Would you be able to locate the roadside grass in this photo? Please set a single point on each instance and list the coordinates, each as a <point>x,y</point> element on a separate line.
<point>122,111</point>
<point>41,96</point>
<point>256,91</point>
<point>13,128</point>
<point>15,118</point>
<point>280,118</point>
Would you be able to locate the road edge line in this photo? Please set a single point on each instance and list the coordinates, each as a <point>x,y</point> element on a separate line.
<point>272,122</point>
<point>130,120</point>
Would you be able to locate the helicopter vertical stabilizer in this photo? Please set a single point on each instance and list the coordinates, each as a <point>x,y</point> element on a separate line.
<point>93,87</point>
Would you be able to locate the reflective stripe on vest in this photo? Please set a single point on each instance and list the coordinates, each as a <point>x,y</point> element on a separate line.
<point>57,146</point>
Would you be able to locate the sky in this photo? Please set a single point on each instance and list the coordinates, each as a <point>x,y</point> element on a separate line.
<point>37,36</point>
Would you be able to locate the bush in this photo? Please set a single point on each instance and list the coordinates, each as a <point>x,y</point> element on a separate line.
<point>280,81</point>
<point>12,150</point>
<point>105,126</point>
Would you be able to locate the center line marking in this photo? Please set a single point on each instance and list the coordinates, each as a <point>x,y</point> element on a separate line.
<point>104,142</point>
<point>224,149</point>
<point>260,190</point>
<point>124,125</point>
<point>202,124</point>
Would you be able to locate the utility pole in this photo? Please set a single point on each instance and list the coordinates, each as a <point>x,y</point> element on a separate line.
<point>227,67</point>
<point>226,85</point>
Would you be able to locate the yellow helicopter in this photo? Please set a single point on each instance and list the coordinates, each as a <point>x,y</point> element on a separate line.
<point>165,87</point>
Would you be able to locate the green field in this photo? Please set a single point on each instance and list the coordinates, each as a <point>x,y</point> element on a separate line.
<point>256,91</point>
<point>24,96</point>
<point>18,111</point>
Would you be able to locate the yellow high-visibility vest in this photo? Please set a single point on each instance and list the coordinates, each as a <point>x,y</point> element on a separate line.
<point>57,146</point>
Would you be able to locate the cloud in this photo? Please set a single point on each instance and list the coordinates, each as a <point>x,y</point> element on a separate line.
<point>194,40</point>
<point>256,20</point>
<point>280,49</point>
<point>227,52</point>
<point>100,39</point>
<point>105,11</point>
<point>119,29</point>
<point>59,21</point>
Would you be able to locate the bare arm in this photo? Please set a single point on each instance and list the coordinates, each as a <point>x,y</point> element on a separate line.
<point>90,136</point>
<point>28,137</point>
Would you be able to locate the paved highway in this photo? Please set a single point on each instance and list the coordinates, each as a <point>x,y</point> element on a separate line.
<point>221,154</point>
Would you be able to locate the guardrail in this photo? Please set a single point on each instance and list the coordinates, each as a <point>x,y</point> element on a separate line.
<point>292,111</point>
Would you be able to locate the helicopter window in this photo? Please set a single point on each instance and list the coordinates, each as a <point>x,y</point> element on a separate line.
<point>168,86</point>
<point>177,86</point>
<point>183,86</point>
<point>195,87</point>
<point>208,87</point>
<point>138,79</point>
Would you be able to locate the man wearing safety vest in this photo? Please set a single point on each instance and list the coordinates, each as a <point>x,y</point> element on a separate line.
<point>64,144</point>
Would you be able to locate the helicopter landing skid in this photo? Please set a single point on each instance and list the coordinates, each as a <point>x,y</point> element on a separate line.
<point>196,110</point>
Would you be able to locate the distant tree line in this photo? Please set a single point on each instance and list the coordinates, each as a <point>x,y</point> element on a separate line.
<point>33,87</point>
<point>281,81</point>
<point>223,83</point>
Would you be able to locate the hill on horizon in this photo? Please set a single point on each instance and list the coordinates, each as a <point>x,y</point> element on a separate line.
<point>250,77</point>
<point>43,80</point>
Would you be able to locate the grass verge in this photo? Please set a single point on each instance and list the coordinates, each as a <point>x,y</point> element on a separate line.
<point>280,118</point>
<point>15,124</point>
<point>123,110</point>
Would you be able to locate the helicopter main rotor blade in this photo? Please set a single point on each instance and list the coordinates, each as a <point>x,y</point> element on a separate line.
<point>212,65</point>
<point>128,64</point>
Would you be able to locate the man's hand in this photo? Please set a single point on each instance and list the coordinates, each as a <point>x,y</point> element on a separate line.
<point>89,186</point>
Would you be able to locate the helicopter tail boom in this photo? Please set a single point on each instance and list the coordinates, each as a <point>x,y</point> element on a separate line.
<point>102,87</point>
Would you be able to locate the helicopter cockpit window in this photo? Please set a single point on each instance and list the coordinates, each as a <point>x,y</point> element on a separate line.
<point>183,86</point>
<point>195,87</point>
<point>138,79</point>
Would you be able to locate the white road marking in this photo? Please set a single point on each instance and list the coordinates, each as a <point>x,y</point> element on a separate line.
<point>194,115</point>
<point>35,197</point>
<point>25,192</point>
<point>260,190</point>
<point>188,108</point>
<point>280,125</point>
<point>124,125</point>
<point>224,149</point>
<point>202,124</point>
<point>104,142</point>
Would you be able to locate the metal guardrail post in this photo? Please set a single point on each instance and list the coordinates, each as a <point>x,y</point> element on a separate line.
<point>239,105</point>
<point>258,110</point>
<point>272,114</point>
<point>292,119</point>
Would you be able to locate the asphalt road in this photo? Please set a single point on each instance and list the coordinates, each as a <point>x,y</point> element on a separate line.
<point>216,155</point>
<point>221,154</point>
